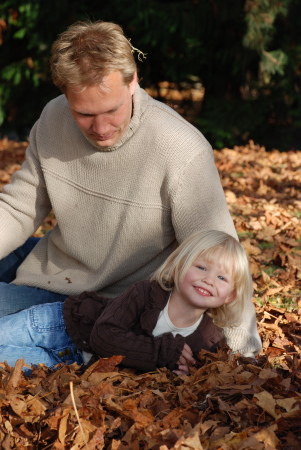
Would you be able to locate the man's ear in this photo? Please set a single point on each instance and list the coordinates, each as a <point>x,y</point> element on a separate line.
<point>133,83</point>
<point>231,297</point>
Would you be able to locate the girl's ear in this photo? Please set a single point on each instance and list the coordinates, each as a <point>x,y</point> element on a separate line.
<point>231,297</point>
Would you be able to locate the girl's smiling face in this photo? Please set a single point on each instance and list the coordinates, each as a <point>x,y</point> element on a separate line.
<point>207,284</point>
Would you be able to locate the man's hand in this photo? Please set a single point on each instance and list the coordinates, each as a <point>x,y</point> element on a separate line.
<point>186,359</point>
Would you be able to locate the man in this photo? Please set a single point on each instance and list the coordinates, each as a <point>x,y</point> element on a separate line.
<point>125,175</point>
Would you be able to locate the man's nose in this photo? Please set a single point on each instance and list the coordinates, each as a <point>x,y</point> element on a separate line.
<point>100,125</point>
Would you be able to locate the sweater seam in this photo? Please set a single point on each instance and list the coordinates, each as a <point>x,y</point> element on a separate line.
<point>156,104</point>
<point>181,177</point>
<point>106,196</point>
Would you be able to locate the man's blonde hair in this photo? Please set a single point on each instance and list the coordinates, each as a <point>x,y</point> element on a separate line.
<point>232,257</point>
<point>87,52</point>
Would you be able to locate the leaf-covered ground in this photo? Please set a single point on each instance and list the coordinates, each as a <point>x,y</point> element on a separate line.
<point>227,402</point>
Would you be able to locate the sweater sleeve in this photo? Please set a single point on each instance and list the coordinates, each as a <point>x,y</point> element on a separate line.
<point>206,337</point>
<point>198,200</point>
<point>80,315</point>
<point>245,338</point>
<point>118,332</point>
<point>24,203</point>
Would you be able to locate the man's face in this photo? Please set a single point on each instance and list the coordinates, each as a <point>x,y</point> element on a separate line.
<point>103,113</point>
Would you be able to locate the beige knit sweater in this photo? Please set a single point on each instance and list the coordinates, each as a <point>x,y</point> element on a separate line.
<point>119,211</point>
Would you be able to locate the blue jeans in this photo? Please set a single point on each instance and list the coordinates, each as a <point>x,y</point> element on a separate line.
<point>37,335</point>
<point>14,298</point>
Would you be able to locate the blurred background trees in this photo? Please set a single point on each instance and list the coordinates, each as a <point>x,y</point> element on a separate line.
<point>231,67</point>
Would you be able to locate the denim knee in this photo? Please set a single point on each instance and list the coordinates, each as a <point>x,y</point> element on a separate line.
<point>10,264</point>
<point>47,325</point>
<point>38,326</point>
<point>14,298</point>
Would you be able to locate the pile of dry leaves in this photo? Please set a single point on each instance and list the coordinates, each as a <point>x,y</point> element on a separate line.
<point>227,402</point>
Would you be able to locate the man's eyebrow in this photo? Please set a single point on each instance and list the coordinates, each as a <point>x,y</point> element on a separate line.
<point>118,106</point>
<point>105,112</point>
<point>114,109</point>
<point>85,113</point>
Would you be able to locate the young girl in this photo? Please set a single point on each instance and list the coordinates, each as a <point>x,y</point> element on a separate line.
<point>201,294</point>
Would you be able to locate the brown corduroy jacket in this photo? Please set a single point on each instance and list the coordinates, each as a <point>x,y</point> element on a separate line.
<point>124,325</point>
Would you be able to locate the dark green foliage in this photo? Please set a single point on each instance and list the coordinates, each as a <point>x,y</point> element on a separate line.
<point>246,53</point>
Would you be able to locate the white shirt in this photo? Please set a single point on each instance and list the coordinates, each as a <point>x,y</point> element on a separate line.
<point>165,325</point>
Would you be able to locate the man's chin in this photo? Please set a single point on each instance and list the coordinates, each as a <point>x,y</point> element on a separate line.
<point>105,143</point>
<point>102,144</point>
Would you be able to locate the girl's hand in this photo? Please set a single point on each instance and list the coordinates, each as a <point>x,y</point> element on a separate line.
<point>182,370</point>
<point>186,359</point>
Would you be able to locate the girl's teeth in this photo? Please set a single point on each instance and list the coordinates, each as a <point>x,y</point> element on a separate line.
<point>203,291</point>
